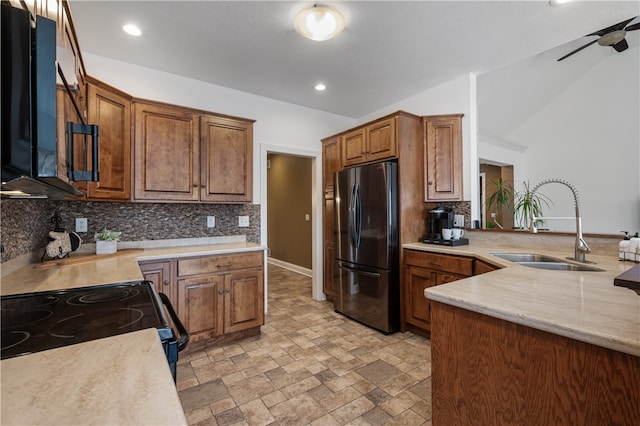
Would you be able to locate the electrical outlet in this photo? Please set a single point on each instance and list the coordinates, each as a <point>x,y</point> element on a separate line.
<point>307,217</point>
<point>243,221</point>
<point>211,221</point>
<point>458,221</point>
<point>82,224</point>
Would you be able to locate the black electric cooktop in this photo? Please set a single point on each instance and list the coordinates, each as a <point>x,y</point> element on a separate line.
<point>35,322</point>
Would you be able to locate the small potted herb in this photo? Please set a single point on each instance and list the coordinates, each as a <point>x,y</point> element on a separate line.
<point>107,241</point>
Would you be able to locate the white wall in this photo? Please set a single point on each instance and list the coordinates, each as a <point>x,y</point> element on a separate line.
<point>589,135</point>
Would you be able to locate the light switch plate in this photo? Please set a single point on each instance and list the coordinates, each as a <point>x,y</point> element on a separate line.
<point>81,224</point>
<point>458,221</point>
<point>243,221</point>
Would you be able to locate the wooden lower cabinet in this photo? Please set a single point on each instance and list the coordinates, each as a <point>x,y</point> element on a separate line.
<point>200,306</point>
<point>487,371</point>
<point>159,272</point>
<point>423,270</point>
<point>214,296</point>
<point>243,301</point>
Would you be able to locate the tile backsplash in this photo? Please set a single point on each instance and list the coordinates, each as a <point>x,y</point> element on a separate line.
<point>25,224</point>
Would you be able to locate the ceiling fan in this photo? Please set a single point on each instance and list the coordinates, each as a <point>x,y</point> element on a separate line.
<point>613,36</point>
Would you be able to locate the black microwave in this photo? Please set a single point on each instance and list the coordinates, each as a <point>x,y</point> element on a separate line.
<point>29,122</point>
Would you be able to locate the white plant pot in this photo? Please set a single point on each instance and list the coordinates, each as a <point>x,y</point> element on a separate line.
<point>106,247</point>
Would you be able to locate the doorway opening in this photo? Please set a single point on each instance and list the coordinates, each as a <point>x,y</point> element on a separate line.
<point>289,205</point>
<point>495,178</point>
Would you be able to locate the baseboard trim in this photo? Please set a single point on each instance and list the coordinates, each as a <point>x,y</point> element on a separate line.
<point>290,266</point>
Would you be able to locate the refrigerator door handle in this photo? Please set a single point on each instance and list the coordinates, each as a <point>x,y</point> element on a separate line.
<point>354,222</point>
<point>358,216</point>
<point>360,272</point>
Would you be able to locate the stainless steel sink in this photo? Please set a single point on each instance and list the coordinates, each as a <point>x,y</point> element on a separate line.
<point>526,257</point>
<point>541,261</point>
<point>559,266</point>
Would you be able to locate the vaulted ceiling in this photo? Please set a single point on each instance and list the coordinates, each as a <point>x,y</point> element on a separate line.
<point>388,51</point>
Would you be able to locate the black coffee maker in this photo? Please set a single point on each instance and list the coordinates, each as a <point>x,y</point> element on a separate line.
<point>439,218</point>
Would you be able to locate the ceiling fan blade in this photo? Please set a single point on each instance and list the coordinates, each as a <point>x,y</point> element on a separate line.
<point>633,27</point>
<point>578,49</point>
<point>621,45</point>
<point>615,27</point>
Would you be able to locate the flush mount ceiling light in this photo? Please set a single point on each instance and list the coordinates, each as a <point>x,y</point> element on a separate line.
<point>558,2</point>
<point>319,23</point>
<point>320,87</point>
<point>132,29</point>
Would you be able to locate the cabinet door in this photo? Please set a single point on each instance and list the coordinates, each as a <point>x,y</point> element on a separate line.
<point>160,274</point>
<point>443,162</point>
<point>482,267</point>
<point>65,112</point>
<point>244,300</point>
<point>381,140</point>
<point>354,148</point>
<point>226,160</point>
<point>328,279</point>
<point>328,253</point>
<point>201,306</point>
<point>331,161</point>
<point>166,153</point>
<point>111,111</point>
<point>417,309</point>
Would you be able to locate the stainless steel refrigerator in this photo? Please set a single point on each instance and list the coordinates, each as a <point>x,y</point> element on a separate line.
<point>366,244</point>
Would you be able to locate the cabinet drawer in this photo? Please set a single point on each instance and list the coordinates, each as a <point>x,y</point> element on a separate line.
<point>212,264</point>
<point>440,262</point>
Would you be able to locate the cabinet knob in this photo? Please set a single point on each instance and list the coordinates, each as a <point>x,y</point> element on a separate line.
<point>165,282</point>
<point>195,185</point>
<point>203,186</point>
<point>430,183</point>
<point>220,291</point>
<point>228,290</point>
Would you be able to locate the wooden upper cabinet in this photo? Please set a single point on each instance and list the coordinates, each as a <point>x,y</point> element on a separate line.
<point>166,153</point>
<point>110,109</point>
<point>182,155</point>
<point>381,139</point>
<point>443,157</point>
<point>354,147</point>
<point>226,161</point>
<point>331,161</point>
<point>374,142</point>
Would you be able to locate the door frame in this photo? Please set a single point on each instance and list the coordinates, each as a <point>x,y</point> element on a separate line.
<point>316,210</point>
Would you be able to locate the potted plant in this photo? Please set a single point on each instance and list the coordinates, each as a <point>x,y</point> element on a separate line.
<point>107,241</point>
<point>527,204</point>
<point>502,198</point>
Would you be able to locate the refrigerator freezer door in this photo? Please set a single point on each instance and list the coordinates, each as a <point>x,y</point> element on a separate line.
<point>369,296</point>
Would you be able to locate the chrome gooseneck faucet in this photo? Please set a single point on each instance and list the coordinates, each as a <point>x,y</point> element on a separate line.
<point>581,246</point>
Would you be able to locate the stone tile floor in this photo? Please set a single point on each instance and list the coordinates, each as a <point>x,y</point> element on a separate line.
<point>309,365</point>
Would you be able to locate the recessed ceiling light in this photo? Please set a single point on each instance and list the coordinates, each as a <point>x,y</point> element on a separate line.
<point>132,29</point>
<point>319,23</point>
<point>320,87</point>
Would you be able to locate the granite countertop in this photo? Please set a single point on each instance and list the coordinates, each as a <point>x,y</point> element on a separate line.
<point>110,269</point>
<point>585,306</point>
<point>118,380</point>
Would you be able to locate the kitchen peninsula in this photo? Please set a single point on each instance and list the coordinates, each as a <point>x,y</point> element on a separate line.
<point>529,346</point>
